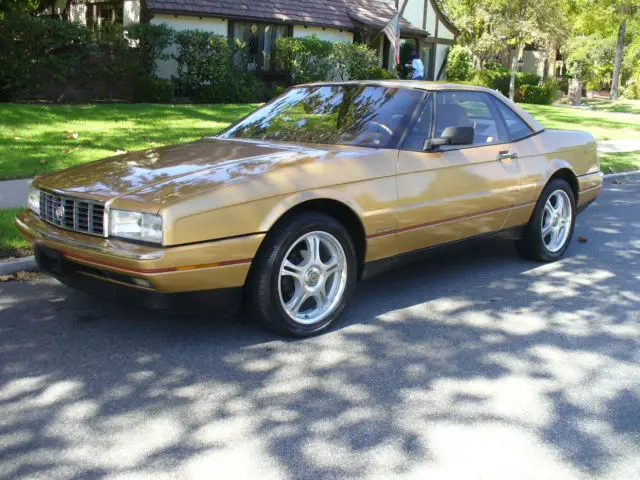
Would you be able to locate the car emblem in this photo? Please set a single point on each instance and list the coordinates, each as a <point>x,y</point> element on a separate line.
<point>59,212</point>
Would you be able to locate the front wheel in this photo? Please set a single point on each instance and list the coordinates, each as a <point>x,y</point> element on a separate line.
<point>550,229</point>
<point>300,283</point>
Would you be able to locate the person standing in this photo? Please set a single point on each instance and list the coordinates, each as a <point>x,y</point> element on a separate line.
<point>417,66</point>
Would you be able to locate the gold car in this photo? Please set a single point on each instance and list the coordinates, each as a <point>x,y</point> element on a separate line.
<point>291,206</point>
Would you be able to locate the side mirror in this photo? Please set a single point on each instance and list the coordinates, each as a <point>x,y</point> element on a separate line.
<point>452,136</point>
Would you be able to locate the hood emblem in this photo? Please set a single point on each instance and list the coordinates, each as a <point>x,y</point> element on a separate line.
<point>59,212</point>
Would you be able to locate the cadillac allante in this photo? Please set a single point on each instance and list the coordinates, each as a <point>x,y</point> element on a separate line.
<point>285,211</point>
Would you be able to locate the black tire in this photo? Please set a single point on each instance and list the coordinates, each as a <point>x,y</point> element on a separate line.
<point>532,246</point>
<point>262,295</point>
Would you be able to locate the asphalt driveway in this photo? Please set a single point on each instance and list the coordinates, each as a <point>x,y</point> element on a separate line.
<point>474,365</point>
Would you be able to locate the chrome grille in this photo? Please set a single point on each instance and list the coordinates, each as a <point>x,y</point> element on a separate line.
<point>85,216</point>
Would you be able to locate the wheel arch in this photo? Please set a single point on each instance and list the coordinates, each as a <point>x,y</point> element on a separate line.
<point>348,215</point>
<point>565,173</point>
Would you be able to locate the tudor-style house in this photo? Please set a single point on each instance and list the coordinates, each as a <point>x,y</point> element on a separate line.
<point>260,22</point>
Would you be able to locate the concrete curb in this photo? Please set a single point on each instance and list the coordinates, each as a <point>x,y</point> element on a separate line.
<point>621,174</point>
<point>17,265</point>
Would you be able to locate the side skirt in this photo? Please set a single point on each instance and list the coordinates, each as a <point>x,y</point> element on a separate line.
<point>377,267</point>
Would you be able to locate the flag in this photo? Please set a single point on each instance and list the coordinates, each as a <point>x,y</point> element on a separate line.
<point>392,31</point>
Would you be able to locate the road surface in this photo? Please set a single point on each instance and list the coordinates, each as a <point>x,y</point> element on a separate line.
<point>475,365</point>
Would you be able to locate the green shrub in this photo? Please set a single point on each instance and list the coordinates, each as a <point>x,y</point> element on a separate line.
<point>40,52</point>
<point>459,65</point>
<point>541,95</point>
<point>499,79</point>
<point>151,43</point>
<point>313,60</point>
<point>305,59</point>
<point>204,61</point>
<point>379,73</point>
<point>353,61</point>
<point>149,89</point>
<point>526,78</point>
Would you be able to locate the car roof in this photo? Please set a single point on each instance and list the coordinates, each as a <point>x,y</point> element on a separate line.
<point>438,86</point>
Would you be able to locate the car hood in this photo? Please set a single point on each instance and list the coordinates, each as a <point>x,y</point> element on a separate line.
<point>158,176</point>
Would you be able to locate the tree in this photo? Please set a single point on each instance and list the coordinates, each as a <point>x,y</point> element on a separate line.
<point>24,7</point>
<point>609,19</point>
<point>488,25</point>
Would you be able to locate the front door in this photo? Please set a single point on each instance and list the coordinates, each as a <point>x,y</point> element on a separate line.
<point>460,191</point>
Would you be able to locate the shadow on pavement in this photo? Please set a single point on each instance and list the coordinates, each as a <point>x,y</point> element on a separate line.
<point>472,364</point>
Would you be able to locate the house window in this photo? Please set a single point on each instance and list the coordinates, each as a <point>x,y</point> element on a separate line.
<point>104,13</point>
<point>259,41</point>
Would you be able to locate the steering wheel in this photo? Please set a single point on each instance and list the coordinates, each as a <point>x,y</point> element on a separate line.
<point>382,134</point>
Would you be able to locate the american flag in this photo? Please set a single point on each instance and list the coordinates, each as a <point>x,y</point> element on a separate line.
<point>392,31</point>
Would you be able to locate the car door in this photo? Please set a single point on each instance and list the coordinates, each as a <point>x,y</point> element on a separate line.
<point>454,192</point>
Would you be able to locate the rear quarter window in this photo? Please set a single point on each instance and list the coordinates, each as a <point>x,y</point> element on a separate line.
<point>516,127</point>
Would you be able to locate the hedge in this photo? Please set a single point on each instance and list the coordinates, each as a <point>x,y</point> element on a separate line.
<point>311,60</point>
<point>500,79</point>
<point>48,59</point>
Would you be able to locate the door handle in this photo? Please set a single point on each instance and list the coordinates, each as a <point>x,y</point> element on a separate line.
<point>505,155</point>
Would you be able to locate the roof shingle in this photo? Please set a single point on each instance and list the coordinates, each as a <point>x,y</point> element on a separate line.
<point>347,14</point>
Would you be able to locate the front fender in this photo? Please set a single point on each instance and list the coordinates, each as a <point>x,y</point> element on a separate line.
<point>287,203</point>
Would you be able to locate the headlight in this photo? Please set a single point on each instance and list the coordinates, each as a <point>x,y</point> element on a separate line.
<point>144,227</point>
<point>34,200</point>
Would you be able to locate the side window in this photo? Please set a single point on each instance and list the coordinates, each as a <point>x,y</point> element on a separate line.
<point>421,130</point>
<point>516,127</point>
<point>469,109</point>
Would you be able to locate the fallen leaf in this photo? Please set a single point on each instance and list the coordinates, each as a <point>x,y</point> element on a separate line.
<point>13,129</point>
<point>583,239</point>
<point>43,161</point>
<point>24,276</point>
<point>621,181</point>
<point>70,136</point>
<point>146,137</point>
<point>68,150</point>
<point>6,278</point>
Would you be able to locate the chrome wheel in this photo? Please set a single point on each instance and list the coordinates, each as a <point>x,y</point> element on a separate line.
<point>313,277</point>
<point>556,221</point>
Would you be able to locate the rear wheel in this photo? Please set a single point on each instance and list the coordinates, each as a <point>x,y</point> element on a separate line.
<point>550,229</point>
<point>304,275</point>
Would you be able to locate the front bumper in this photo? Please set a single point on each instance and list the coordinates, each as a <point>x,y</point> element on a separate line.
<point>84,260</point>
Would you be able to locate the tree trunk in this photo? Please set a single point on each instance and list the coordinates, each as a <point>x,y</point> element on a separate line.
<point>617,66</point>
<point>551,66</point>
<point>514,66</point>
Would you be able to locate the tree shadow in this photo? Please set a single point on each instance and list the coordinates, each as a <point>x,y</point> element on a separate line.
<point>451,367</point>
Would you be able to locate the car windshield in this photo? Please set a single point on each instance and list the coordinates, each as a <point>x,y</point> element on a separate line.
<point>367,116</point>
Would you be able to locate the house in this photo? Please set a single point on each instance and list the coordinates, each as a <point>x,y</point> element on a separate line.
<point>259,23</point>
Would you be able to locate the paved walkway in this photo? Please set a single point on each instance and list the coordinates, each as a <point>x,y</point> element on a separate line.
<point>13,193</point>
<point>618,146</point>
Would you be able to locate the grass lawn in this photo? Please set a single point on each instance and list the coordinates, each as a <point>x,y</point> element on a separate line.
<point>42,138</point>
<point>32,137</point>
<point>620,106</point>
<point>602,125</point>
<point>620,162</point>
<point>11,243</point>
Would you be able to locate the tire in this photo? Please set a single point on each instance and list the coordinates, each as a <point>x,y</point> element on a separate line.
<point>269,291</point>
<point>534,245</point>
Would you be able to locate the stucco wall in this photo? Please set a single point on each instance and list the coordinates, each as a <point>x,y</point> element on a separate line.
<point>441,55</point>
<point>414,12</point>
<point>327,34</point>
